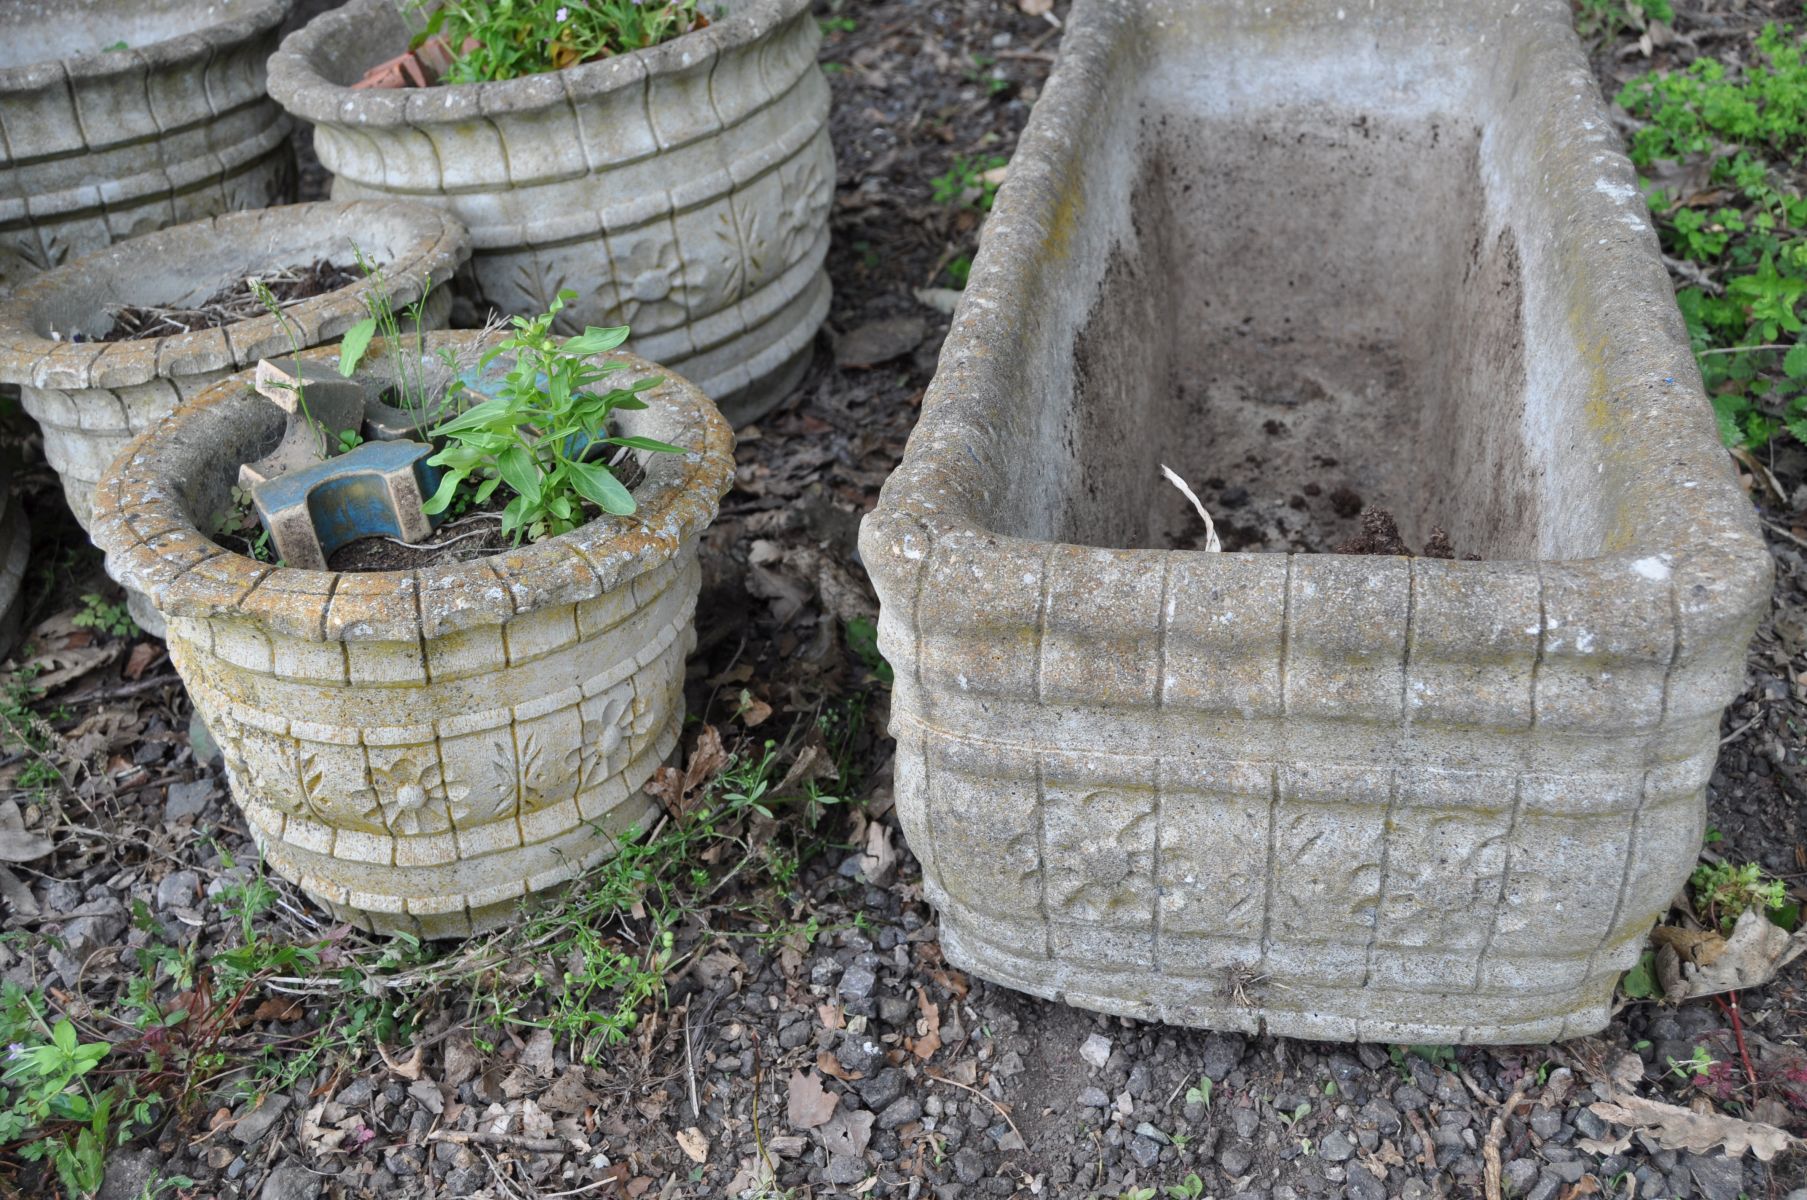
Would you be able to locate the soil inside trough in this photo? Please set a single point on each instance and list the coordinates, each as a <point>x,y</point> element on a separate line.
<point>1313,318</point>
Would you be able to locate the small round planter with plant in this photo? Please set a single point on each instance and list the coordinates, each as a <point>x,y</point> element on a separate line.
<point>672,168</point>
<point>429,730</point>
<point>105,346</point>
<point>124,116</point>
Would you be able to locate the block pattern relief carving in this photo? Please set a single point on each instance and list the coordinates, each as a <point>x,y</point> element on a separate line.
<point>107,145</point>
<point>683,190</point>
<point>420,750</point>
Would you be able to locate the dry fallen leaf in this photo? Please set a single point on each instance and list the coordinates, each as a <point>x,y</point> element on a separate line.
<point>1035,8</point>
<point>924,1047</point>
<point>828,1064</point>
<point>849,1133</point>
<point>809,1104</point>
<point>20,847</point>
<point>879,860</point>
<point>1697,1133</point>
<point>693,1142</point>
<point>408,1068</point>
<point>139,661</point>
<point>1757,949</point>
<point>678,790</point>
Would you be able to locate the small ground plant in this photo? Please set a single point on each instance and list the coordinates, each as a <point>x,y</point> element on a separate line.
<point>1723,892</point>
<point>537,432</point>
<point>506,39</point>
<point>1742,232</point>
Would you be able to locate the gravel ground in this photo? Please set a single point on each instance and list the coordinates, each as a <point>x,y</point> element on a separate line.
<point>854,1062</point>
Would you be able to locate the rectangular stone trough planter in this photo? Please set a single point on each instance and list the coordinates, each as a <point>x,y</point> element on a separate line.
<point>1393,247</point>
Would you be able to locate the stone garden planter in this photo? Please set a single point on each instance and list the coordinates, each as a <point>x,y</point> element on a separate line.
<point>1378,798</point>
<point>420,749</point>
<point>123,116</point>
<point>682,190</point>
<point>91,398</point>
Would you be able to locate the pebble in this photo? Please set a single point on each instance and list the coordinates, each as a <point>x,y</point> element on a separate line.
<point>901,1111</point>
<point>1222,1052</point>
<point>187,799</point>
<point>252,1123</point>
<point>1546,1187</point>
<point>1518,1176</point>
<point>883,1088</point>
<point>1336,1146</point>
<point>1096,1050</point>
<point>1246,1122</point>
<point>290,1181</point>
<point>1545,1122</point>
<point>969,1165</point>
<point>1146,1151</point>
<point>1363,1186</point>
<point>1235,1160</point>
<point>178,889</point>
<point>857,982</point>
<point>1718,1176</point>
<point>1094,1097</point>
<point>844,1169</point>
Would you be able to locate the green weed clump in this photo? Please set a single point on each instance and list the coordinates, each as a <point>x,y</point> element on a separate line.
<point>1743,235</point>
<point>506,39</point>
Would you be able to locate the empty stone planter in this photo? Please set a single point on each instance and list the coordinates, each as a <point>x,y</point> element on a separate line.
<point>1376,798</point>
<point>123,116</point>
<point>420,749</point>
<point>683,189</point>
<point>91,398</point>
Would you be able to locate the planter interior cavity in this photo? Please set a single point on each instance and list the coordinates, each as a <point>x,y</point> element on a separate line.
<point>419,750</point>
<point>682,190</point>
<point>104,140</point>
<point>91,398</point>
<point>1374,798</point>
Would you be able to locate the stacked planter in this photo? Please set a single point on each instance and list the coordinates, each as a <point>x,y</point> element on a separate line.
<point>682,190</point>
<point>91,398</point>
<point>171,125</point>
<point>418,750</point>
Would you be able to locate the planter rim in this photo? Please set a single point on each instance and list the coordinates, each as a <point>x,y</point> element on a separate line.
<point>296,82</point>
<point>1698,526</point>
<point>30,359</point>
<point>142,522</point>
<point>253,17</point>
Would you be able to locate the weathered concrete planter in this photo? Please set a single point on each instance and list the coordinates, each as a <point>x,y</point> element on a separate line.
<point>420,749</point>
<point>1348,797</point>
<point>682,190</point>
<point>91,398</point>
<point>105,144</point>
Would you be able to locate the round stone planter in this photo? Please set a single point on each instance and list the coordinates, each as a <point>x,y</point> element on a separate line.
<point>682,190</point>
<point>420,749</point>
<point>124,116</point>
<point>91,398</point>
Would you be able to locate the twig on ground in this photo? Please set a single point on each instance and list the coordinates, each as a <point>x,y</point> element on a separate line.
<point>1496,1134</point>
<point>998,1108</point>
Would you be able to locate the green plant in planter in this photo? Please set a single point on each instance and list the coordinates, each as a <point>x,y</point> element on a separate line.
<point>506,39</point>
<point>536,434</point>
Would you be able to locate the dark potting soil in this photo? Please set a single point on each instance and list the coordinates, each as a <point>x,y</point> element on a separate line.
<point>476,533</point>
<point>232,303</point>
<point>1380,535</point>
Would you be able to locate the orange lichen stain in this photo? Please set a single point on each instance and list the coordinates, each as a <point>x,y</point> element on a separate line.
<point>1065,222</point>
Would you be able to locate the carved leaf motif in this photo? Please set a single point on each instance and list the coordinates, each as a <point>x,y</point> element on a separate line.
<point>490,795</point>
<point>358,806</point>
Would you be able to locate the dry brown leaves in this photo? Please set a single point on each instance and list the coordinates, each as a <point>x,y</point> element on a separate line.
<point>807,1103</point>
<point>679,790</point>
<point>928,1040</point>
